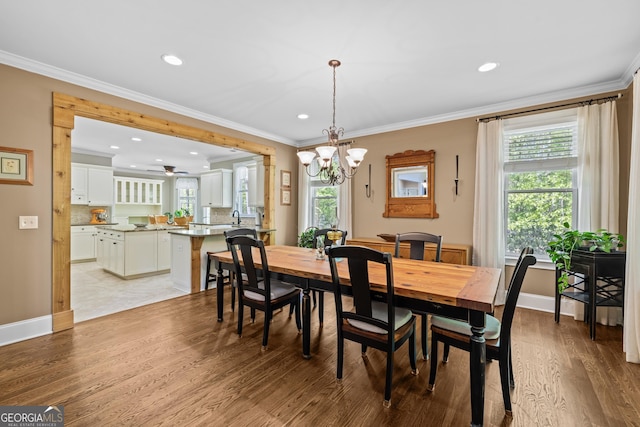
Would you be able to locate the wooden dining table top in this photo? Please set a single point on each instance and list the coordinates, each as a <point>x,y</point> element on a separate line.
<point>463,286</point>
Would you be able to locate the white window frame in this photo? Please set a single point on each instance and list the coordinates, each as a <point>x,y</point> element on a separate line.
<point>236,188</point>
<point>540,122</point>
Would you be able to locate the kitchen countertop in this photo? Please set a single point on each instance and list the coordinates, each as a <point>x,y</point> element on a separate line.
<point>87,224</point>
<point>131,227</point>
<point>218,230</point>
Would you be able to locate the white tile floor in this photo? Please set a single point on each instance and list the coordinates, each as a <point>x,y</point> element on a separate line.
<point>96,293</point>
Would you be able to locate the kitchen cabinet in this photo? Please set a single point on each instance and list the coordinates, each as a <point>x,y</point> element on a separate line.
<point>91,185</point>
<point>256,183</point>
<point>216,188</point>
<point>110,251</point>
<point>164,250</point>
<point>83,243</point>
<point>137,191</point>
<point>131,254</point>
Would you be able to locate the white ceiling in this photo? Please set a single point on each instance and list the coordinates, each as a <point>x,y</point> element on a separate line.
<point>254,65</point>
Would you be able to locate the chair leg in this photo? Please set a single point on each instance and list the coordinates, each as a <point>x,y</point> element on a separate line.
<point>512,382</point>
<point>313,298</point>
<point>340,357</point>
<point>504,382</point>
<point>240,316</point>
<point>389,380</point>
<point>206,281</point>
<point>253,315</point>
<point>412,352</point>
<point>233,290</point>
<point>364,350</point>
<point>265,332</point>
<point>320,307</point>
<point>434,362</point>
<point>445,353</point>
<point>425,352</point>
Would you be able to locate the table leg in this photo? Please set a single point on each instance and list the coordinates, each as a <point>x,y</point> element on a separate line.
<point>220,292</point>
<point>306,323</point>
<point>477,364</point>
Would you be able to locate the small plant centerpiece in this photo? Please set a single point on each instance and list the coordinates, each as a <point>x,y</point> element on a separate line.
<point>305,239</point>
<point>182,216</point>
<point>563,245</point>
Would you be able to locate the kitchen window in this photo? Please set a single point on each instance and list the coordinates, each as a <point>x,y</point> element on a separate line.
<point>540,173</point>
<point>187,194</point>
<point>241,189</point>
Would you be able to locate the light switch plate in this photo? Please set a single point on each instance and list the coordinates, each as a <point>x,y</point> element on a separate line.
<point>28,222</point>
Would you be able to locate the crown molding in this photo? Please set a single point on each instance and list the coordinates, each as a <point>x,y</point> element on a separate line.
<point>80,80</point>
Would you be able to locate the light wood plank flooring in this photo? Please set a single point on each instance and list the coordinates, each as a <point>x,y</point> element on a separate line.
<point>171,363</point>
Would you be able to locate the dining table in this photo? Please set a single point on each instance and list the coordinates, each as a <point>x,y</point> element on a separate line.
<point>458,291</point>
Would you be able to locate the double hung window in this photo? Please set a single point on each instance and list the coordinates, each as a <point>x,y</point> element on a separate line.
<point>540,173</point>
<point>323,202</point>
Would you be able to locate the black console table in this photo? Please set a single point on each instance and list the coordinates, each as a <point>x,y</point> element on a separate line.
<point>598,281</point>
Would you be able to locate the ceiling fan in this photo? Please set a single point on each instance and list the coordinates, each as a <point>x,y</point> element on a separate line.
<point>169,171</point>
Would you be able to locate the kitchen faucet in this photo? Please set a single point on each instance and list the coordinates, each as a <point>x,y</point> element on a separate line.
<point>233,215</point>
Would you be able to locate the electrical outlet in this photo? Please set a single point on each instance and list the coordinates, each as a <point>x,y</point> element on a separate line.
<point>28,222</point>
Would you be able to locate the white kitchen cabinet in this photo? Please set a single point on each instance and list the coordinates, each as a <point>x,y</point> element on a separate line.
<point>216,188</point>
<point>91,185</point>
<point>78,185</point>
<point>133,253</point>
<point>141,250</point>
<point>164,250</point>
<point>137,191</point>
<point>83,243</point>
<point>110,251</point>
<point>256,183</point>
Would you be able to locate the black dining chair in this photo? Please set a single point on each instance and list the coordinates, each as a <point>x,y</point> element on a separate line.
<point>251,232</point>
<point>497,333</point>
<point>417,241</point>
<point>260,291</point>
<point>371,323</point>
<point>211,276</point>
<point>322,233</point>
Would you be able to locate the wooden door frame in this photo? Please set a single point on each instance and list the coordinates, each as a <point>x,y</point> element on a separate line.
<point>65,109</point>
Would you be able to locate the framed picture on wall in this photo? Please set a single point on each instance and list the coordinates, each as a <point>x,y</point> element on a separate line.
<point>16,166</point>
<point>285,179</point>
<point>285,196</point>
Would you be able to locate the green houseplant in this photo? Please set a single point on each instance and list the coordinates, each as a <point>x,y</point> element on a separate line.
<point>563,244</point>
<point>305,239</point>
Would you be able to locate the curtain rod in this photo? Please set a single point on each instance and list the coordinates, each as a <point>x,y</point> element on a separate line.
<point>570,104</point>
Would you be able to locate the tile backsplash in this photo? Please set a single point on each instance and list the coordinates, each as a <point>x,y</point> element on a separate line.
<point>81,214</point>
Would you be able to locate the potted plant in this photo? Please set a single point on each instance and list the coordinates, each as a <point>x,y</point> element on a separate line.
<point>305,239</point>
<point>182,216</point>
<point>563,244</point>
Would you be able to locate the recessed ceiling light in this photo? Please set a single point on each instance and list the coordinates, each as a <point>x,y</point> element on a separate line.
<point>206,167</point>
<point>133,166</point>
<point>115,147</point>
<point>303,116</point>
<point>136,139</point>
<point>195,153</point>
<point>171,59</point>
<point>158,160</point>
<point>487,66</point>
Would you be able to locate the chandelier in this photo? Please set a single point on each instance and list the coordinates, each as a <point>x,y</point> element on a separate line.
<point>335,161</point>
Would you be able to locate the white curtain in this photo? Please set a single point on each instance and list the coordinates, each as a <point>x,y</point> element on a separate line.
<point>345,208</point>
<point>187,184</point>
<point>303,199</point>
<point>631,339</point>
<point>598,180</point>
<point>488,223</point>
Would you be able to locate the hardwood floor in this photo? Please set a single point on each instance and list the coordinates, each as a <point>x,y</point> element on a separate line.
<point>171,363</point>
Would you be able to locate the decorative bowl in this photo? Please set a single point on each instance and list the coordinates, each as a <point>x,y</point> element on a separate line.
<point>388,237</point>
<point>140,225</point>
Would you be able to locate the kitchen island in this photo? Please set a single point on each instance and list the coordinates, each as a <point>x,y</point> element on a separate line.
<point>130,252</point>
<point>189,253</point>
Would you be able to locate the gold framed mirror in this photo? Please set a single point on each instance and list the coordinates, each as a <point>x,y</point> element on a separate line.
<point>411,185</point>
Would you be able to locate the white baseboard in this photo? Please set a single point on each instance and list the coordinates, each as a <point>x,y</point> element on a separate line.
<point>26,329</point>
<point>546,304</point>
